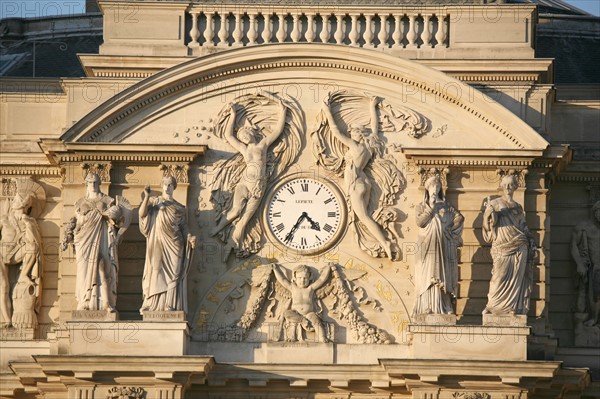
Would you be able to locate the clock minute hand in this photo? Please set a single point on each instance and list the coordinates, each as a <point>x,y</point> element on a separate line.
<point>313,225</point>
<point>290,236</point>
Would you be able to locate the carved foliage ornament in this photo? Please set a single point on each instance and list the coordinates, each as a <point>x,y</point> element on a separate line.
<point>102,169</point>
<point>125,393</point>
<point>178,171</point>
<point>471,395</point>
<point>439,171</point>
<point>519,174</point>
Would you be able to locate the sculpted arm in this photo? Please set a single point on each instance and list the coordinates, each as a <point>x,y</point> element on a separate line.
<point>374,119</point>
<point>229,136</point>
<point>144,204</point>
<point>578,251</point>
<point>270,139</point>
<point>424,215</point>
<point>281,278</point>
<point>322,279</point>
<point>334,128</point>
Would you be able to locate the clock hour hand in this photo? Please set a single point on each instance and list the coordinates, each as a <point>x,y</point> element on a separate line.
<point>313,225</point>
<point>290,236</point>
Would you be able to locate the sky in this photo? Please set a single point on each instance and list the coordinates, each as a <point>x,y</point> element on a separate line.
<point>40,8</point>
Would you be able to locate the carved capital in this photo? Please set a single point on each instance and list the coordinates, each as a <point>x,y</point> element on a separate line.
<point>178,170</point>
<point>471,395</point>
<point>440,171</point>
<point>520,174</point>
<point>9,187</point>
<point>102,169</point>
<point>125,393</point>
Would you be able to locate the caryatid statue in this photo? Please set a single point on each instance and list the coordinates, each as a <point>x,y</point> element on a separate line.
<point>585,250</point>
<point>100,222</point>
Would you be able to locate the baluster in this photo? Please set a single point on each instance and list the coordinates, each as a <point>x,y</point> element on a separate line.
<point>266,34</point>
<point>411,35</point>
<point>238,31</point>
<point>296,28</point>
<point>194,32</point>
<point>397,35</point>
<point>310,29</point>
<point>281,33</point>
<point>354,30</point>
<point>440,35</point>
<point>368,31</point>
<point>383,31</point>
<point>210,31</point>
<point>252,33</point>
<point>325,29</point>
<point>223,31</point>
<point>426,36</point>
<point>339,32</point>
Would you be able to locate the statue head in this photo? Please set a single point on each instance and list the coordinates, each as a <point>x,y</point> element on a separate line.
<point>433,189</point>
<point>169,184</point>
<point>509,184</point>
<point>596,211</point>
<point>23,201</point>
<point>249,133</point>
<point>302,276</point>
<point>357,132</point>
<point>92,182</point>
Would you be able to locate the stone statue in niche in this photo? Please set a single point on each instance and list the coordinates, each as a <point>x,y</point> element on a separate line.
<point>513,250</point>
<point>169,250</point>
<point>265,130</point>
<point>349,142</point>
<point>298,305</point>
<point>436,272</point>
<point>21,245</point>
<point>100,222</point>
<point>304,312</point>
<point>585,250</point>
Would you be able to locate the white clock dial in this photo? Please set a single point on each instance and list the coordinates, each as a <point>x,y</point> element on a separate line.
<point>306,215</point>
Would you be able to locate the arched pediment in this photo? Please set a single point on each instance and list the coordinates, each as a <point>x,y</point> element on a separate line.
<point>159,109</point>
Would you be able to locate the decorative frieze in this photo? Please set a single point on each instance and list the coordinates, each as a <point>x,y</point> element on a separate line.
<point>178,170</point>
<point>125,393</point>
<point>441,172</point>
<point>102,169</point>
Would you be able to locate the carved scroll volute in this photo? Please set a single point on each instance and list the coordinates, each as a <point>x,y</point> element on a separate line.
<point>102,169</point>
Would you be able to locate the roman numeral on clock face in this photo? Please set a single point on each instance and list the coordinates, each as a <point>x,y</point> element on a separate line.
<point>280,227</point>
<point>304,187</point>
<point>291,190</point>
<point>327,228</point>
<point>303,241</point>
<point>276,214</point>
<point>331,214</point>
<point>328,200</point>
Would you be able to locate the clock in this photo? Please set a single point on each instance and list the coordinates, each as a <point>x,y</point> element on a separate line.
<point>306,215</point>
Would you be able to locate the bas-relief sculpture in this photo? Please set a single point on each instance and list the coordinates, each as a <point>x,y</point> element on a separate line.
<point>344,144</point>
<point>513,249</point>
<point>21,245</point>
<point>585,250</point>
<point>100,224</point>
<point>169,250</point>
<point>436,272</point>
<point>265,131</point>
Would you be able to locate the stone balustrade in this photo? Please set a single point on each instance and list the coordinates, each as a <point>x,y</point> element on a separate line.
<point>234,26</point>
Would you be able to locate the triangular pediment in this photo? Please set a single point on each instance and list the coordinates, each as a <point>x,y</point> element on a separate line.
<point>178,105</point>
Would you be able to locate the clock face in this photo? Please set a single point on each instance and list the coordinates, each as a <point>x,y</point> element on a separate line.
<point>306,215</point>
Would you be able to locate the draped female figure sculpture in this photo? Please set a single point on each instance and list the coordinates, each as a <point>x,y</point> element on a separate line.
<point>100,222</point>
<point>512,252</point>
<point>163,221</point>
<point>436,274</point>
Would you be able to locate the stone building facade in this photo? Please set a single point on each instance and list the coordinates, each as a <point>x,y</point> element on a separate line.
<point>334,179</point>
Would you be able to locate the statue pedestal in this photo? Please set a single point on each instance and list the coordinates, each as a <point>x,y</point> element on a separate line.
<point>489,342</point>
<point>160,316</point>
<point>435,319</point>
<point>94,315</point>
<point>17,334</point>
<point>511,320</point>
<point>139,338</point>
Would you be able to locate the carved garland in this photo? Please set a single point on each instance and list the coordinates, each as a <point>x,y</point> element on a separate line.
<point>125,393</point>
<point>471,395</point>
<point>300,64</point>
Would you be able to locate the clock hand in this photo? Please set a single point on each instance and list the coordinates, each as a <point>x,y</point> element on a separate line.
<point>313,225</point>
<point>290,236</point>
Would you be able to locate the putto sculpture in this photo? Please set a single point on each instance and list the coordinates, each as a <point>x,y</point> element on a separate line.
<point>169,249</point>
<point>436,274</point>
<point>100,222</point>
<point>21,245</point>
<point>513,249</point>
